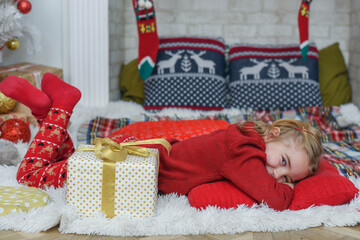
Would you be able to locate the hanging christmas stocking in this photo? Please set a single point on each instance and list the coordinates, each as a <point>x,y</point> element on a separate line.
<point>148,37</point>
<point>303,22</point>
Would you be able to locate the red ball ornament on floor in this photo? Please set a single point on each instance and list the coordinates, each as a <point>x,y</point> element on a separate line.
<point>24,6</point>
<point>15,130</point>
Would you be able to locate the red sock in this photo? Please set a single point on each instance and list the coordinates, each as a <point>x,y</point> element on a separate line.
<point>22,91</point>
<point>303,22</point>
<point>62,94</point>
<point>148,37</point>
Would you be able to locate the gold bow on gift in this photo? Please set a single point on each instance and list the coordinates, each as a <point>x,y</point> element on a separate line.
<point>111,152</point>
<point>107,149</point>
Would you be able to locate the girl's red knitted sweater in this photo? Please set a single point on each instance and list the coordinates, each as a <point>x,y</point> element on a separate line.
<point>238,156</point>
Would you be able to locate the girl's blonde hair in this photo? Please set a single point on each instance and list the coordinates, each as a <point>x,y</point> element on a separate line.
<point>303,133</point>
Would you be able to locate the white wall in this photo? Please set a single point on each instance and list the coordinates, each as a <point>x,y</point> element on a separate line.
<point>258,21</point>
<point>250,21</point>
<point>86,49</point>
<point>47,17</point>
<point>116,46</point>
<point>72,39</point>
<point>354,63</point>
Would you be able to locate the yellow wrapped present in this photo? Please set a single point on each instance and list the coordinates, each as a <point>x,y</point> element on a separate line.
<point>115,179</point>
<point>16,199</point>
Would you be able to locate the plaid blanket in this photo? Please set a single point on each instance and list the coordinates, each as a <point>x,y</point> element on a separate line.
<point>341,144</point>
<point>99,127</point>
<point>345,156</point>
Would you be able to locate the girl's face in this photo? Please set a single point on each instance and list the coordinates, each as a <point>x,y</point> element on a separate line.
<point>286,161</point>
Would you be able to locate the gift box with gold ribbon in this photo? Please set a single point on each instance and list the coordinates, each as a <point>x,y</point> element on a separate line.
<point>114,179</point>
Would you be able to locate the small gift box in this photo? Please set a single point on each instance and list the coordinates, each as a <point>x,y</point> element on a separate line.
<point>116,179</point>
<point>31,72</point>
<point>13,115</point>
<point>16,199</point>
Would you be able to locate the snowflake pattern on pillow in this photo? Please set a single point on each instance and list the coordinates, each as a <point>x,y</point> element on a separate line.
<point>267,77</point>
<point>189,73</point>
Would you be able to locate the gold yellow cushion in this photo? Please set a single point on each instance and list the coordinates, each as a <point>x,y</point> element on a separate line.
<point>333,76</point>
<point>131,85</point>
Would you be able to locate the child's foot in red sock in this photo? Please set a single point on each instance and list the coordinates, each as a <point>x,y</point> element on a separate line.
<point>22,91</point>
<point>62,94</point>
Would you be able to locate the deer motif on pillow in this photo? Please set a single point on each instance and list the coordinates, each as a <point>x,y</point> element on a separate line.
<point>254,70</point>
<point>293,69</point>
<point>189,73</point>
<point>169,63</point>
<point>267,77</point>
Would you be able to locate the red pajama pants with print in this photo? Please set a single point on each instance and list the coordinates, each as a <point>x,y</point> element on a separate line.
<point>45,163</point>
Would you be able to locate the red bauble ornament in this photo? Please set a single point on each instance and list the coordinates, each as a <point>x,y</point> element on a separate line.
<point>14,130</point>
<point>24,6</point>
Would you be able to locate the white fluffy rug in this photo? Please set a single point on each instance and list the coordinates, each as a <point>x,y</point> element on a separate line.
<point>174,215</point>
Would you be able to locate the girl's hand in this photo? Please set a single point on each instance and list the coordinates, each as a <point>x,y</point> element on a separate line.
<point>292,185</point>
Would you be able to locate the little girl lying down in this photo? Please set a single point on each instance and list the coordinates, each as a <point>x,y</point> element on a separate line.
<point>263,160</point>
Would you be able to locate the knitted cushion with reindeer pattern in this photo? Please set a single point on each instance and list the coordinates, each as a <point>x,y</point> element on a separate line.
<point>267,77</point>
<point>189,73</point>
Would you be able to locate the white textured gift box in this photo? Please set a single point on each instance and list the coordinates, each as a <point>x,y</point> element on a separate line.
<point>136,184</point>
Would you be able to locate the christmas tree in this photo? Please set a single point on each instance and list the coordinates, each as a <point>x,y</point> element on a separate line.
<point>273,71</point>
<point>13,27</point>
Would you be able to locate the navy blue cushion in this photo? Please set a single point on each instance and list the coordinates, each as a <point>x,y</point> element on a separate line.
<point>266,77</point>
<point>189,73</point>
